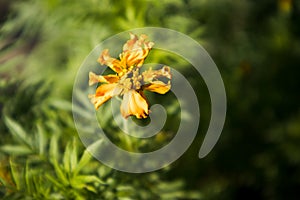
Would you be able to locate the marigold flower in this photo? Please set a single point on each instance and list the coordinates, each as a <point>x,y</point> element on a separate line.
<point>129,82</point>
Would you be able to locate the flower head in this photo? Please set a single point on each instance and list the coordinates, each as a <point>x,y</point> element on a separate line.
<point>129,81</point>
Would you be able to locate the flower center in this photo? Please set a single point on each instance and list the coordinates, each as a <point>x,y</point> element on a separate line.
<point>131,81</point>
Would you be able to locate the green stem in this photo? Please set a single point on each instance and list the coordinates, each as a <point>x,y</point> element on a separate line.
<point>127,139</point>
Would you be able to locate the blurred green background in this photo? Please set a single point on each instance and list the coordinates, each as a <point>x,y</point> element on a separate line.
<point>256,46</point>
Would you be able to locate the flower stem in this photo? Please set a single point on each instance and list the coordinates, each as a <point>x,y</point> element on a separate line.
<point>127,138</point>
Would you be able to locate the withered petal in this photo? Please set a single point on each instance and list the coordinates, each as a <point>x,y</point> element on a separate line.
<point>134,104</point>
<point>158,87</point>
<point>113,63</point>
<point>94,78</point>
<point>152,75</point>
<point>103,93</point>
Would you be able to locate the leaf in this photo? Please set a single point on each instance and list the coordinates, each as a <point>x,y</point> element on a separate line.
<point>3,182</point>
<point>15,174</point>
<point>17,131</point>
<point>42,140</point>
<point>84,160</point>
<point>90,188</point>
<point>86,156</point>
<point>73,157</point>
<point>62,104</point>
<point>66,158</point>
<point>104,171</point>
<point>40,186</point>
<point>53,151</point>
<point>16,149</point>
<point>60,174</point>
<point>70,156</point>
<point>54,157</point>
<point>54,181</point>
<point>28,182</point>
<point>125,191</point>
<point>85,179</point>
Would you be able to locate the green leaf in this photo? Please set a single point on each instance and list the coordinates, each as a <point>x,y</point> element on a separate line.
<point>3,182</point>
<point>41,187</point>
<point>86,156</point>
<point>66,158</point>
<point>42,140</point>
<point>54,157</point>
<point>104,171</point>
<point>84,160</point>
<point>85,179</point>
<point>28,182</point>
<point>91,188</point>
<point>62,104</point>
<point>73,156</point>
<point>60,174</point>
<point>16,149</point>
<point>54,181</point>
<point>53,151</point>
<point>70,156</point>
<point>17,131</point>
<point>15,174</point>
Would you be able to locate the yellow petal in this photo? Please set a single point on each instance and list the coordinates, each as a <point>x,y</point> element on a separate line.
<point>103,93</point>
<point>134,104</point>
<point>158,87</point>
<point>152,78</point>
<point>136,50</point>
<point>94,78</point>
<point>113,63</point>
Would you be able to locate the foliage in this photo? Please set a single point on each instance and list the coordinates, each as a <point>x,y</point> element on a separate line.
<point>254,44</point>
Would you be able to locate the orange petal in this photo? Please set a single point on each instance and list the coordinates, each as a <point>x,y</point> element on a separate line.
<point>158,87</point>
<point>134,104</point>
<point>136,50</point>
<point>103,93</point>
<point>105,59</point>
<point>94,78</point>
